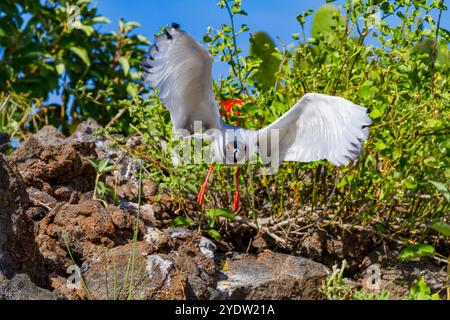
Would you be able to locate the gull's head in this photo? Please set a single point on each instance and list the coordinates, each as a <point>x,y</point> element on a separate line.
<point>235,147</point>
<point>235,153</point>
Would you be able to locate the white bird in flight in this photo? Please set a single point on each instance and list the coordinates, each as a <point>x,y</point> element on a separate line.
<point>317,127</point>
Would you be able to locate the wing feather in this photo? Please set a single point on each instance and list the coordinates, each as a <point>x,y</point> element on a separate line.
<point>181,69</point>
<point>321,127</point>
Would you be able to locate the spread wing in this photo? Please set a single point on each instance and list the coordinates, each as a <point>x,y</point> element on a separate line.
<point>320,127</point>
<point>182,71</point>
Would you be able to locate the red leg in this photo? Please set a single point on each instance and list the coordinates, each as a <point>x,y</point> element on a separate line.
<point>237,192</point>
<point>201,194</point>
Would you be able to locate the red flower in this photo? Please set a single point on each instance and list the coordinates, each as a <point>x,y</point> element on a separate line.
<point>228,105</point>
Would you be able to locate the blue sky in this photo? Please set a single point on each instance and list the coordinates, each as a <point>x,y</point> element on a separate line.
<point>278,18</point>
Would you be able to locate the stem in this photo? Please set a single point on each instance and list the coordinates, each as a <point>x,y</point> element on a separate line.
<point>86,288</point>
<point>303,33</point>
<point>97,178</point>
<point>433,54</point>
<point>235,51</point>
<point>448,278</point>
<point>282,199</point>
<point>283,61</point>
<point>135,235</point>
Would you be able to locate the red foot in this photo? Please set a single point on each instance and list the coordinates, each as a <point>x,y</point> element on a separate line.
<point>201,194</point>
<point>237,192</point>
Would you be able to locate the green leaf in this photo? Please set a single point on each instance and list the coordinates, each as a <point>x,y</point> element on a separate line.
<point>237,10</point>
<point>129,26</point>
<point>143,39</point>
<point>263,47</point>
<point>59,65</point>
<point>181,221</point>
<point>421,291</point>
<point>301,18</point>
<point>244,28</point>
<point>442,228</point>
<point>109,169</point>
<point>89,30</point>
<point>136,75</point>
<point>132,89</point>
<point>93,163</point>
<point>101,19</point>
<point>101,187</point>
<point>102,165</point>
<point>416,251</point>
<point>125,65</point>
<point>381,145</point>
<point>82,54</point>
<point>222,213</point>
<point>443,189</point>
<point>213,214</point>
<point>214,233</point>
<point>327,18</point>
<point>365,91</point>
<point>376,113</point>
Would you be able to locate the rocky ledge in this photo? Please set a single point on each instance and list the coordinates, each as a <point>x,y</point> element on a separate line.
<point>57,242</point>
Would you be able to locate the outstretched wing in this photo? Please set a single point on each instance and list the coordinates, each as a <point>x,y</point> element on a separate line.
<point>182,71</point>
<point>320,127</point>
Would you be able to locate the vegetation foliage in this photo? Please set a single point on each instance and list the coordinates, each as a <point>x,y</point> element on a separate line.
<point>397,66</point>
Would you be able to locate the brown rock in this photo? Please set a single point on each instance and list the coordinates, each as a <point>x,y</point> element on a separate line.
<point>20,287</point>
<point>184,270</point>
<point>172,265</point>
<point>4,142</point>
<point>271,276</point>
<point>41,198</point>
<point>332,246</point>
<point>64,193</point>
<point>13,201</point>
<point>87,229</point>
<point>116,274</point>
<point>47,136</point>
<point>60,165</point>
<point>150,189</point>
<point>396,276</point>
<point>18,250</point>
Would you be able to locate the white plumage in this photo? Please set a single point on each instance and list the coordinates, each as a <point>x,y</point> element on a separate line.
<point>318,127</point>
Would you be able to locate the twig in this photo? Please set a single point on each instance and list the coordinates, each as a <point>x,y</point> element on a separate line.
<point>381,235</point>
<point>5,102</point>
<point>117,117</point>
<point>267,228</point>
<point>274,236</point>
<point>46,206</point>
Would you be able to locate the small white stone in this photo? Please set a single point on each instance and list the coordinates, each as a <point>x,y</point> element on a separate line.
<point>153,235</point>
<point>207,247</point>
<point>157,265</point>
